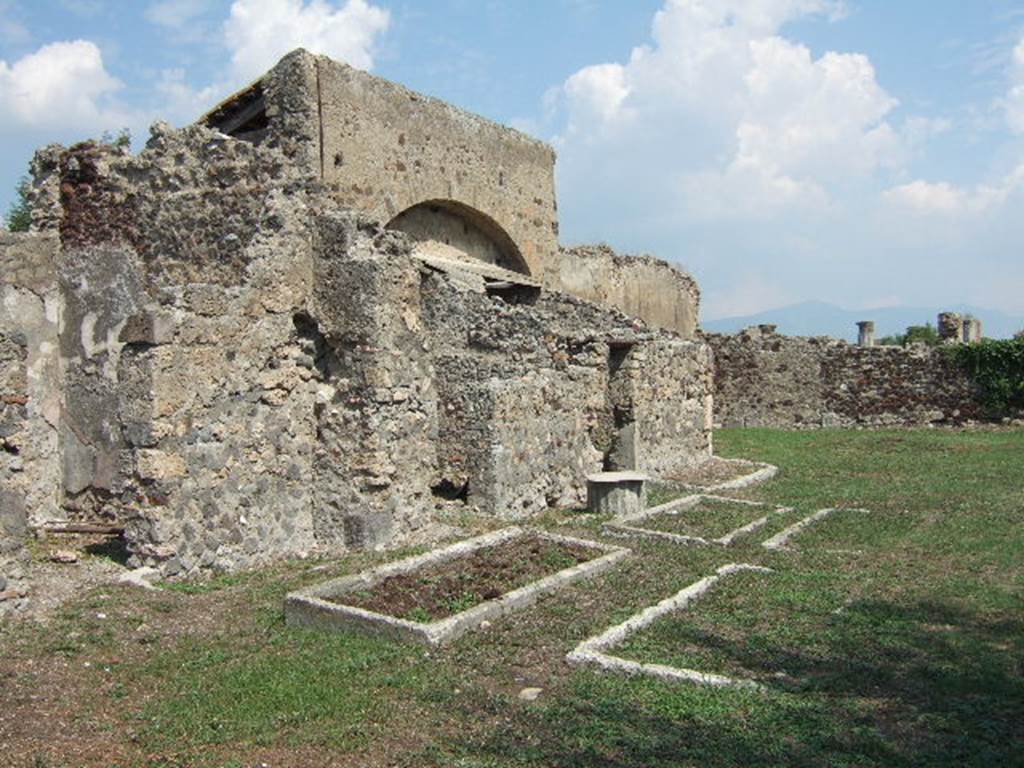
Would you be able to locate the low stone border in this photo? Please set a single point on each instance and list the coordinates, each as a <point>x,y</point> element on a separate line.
<point>628,524</point>
<point>780,541</point>
<point>593,650</point>
<point>760,473</point>
<point>309,607</point>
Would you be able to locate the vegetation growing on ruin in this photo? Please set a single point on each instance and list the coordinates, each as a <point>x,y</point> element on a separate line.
<point>19,215</point>
<point>915,334</point>
<point>997,367</point>
<point>893,639</point>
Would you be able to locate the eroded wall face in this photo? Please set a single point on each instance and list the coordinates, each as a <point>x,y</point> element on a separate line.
<point>13,433</point>
<point>530,397</point>
<point>768,380</point>
<point>386,149</point>
<point>654,291</point>
<point>251,372</point>
<point>376,410</point>
<point>189,391</point>
<point>30,310</point>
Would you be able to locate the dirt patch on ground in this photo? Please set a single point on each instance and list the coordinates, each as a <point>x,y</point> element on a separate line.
<point>444,589</point>
<point>712,472</point>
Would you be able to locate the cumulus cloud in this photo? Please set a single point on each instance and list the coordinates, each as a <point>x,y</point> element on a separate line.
<point>727,144</point>
<point>259,32</point>
<point>945,199</point>
<point>61,84</point>
<point>775,124</point>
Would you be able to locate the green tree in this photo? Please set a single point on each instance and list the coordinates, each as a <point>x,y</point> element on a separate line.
<point>921,334</point>
<point>915,334</point>
<point>19,215</point>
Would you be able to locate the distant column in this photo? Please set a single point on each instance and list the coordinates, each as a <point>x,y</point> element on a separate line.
<point>951,327</point>
<point>866,333</point>
<point>972,329</point>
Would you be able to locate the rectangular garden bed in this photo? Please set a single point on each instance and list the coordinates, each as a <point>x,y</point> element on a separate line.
<point>698,519</point>
<point>781,540</point>
<point>436,597</point>
<point>609,650</point>
<point>718,474</point>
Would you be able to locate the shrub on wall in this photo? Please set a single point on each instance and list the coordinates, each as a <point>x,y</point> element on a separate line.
<point>997,367</point>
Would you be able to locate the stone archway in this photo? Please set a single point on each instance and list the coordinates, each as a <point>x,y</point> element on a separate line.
<point>455,231</point>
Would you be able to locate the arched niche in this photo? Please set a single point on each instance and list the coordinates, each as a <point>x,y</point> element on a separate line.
<point>453,230</point>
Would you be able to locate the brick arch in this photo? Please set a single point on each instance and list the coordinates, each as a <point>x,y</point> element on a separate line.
<point>472,233</point>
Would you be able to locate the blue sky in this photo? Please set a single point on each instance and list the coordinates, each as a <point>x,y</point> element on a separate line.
<point>867,152</point>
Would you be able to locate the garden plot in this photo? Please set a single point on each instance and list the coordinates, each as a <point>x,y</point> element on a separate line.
<point>718,474</point>
<point>699,519</point>
<point>435,597</point>
<point>797,630</point>
<point>781,540</point>
<point>597,650</point>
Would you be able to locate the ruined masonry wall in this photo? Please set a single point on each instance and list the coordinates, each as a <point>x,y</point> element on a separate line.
<point>527,401</point>
<point>13,427</point>
<point>30,309</point>
<point>768,380</point>
<point>641,286</point>
<point>671,384</point>
<point>383,149</point>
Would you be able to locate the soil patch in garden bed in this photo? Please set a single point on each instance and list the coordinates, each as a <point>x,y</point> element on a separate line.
<point>708,519</point>
<point>713,472</point>
<point>441,590</point>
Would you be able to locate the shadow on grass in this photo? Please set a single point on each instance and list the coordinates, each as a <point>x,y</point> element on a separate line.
<point>933,686</point>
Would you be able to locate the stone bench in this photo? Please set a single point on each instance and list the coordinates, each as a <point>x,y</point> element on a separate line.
<point>617,493</point>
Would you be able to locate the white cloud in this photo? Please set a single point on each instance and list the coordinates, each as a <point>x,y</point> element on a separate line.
<point>61,84</point>
<point>945,199</point>
<point>598,92</point>
<point>175,13</point>
<point>743,121</point>
<point>259,32</point>
<point>1014,102</point>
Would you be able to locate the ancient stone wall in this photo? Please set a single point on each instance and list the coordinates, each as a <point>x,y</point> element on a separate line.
<point>14,419</point>
<point>768,380</point>
<point>30,310</point>
<point>653,290</point>
<point>236,366</point>
<point>383,150</point>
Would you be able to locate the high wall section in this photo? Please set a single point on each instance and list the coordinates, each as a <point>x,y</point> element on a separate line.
<point>30,397</point>
<point>384,150</point>
<point>287,374</point>
<point>650,289</point>
<point>221,346</point>
<point>763,379</point>
<point>30,311</point>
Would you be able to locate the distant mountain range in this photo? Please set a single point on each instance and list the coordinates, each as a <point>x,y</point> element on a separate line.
<point>816,318</point>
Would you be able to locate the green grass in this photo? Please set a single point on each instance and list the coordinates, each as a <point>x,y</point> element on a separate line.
<point>293,687</point>
<point>887,639</point>
<point>708,519</point>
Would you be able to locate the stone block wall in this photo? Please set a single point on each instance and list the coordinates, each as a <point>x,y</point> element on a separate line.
<point>672,384</point>
<point>205,347</point>
<point>14,419</point>
<point>30,311</point>
<point>658,293</point>
<point>383,149</point>
<point>763,379</point>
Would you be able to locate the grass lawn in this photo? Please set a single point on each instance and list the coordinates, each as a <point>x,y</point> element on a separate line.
<point>892,638</point>
<point>707,519</point>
